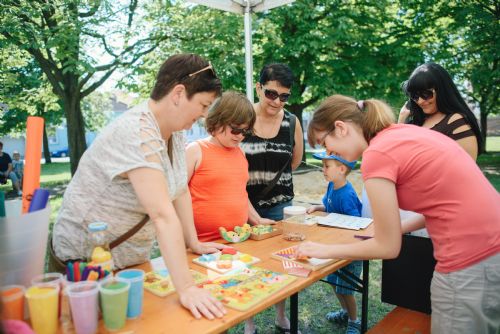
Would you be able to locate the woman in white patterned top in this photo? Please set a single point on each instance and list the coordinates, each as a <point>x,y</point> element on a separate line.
<point>137,166</point>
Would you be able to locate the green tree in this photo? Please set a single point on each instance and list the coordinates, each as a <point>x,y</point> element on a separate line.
<point>358,48</point>
<point>463,36</point>
<point>31,98</point>
<point>479,24</point>
<point>79,44</point>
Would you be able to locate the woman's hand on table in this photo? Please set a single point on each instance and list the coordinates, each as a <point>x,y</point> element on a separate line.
<point>312,249</point>
<point>265,221</point>
<point>207,247</point>
<point>201,303</point>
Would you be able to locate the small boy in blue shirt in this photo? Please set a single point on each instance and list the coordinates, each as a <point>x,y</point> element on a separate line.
<point>341,198</point>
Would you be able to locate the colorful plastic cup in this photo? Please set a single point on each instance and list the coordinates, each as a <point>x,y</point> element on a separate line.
<point>114,301</point>
<point>84,301</point>
<point>136,293</point>
<point>51,278</point>
<point>65,306</point>
<point>43,303</point>
<point>13,301</point>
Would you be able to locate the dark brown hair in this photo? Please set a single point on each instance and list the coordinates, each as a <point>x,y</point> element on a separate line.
<point>232,108</point>
<point>176,70</point>
<point>372,118</point>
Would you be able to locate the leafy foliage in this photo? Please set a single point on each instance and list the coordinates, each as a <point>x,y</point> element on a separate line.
<point>79,44</point>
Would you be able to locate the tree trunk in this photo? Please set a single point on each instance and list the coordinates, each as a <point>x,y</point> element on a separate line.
<point>46,149</point>
<point>75,127</point>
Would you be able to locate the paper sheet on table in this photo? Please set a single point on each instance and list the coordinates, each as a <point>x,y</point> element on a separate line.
<point>344,221</point>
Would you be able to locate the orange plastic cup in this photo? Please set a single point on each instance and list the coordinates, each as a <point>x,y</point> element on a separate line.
<point>13,301</point>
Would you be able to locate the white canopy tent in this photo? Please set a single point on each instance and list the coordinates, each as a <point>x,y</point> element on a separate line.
<point>246,7</point>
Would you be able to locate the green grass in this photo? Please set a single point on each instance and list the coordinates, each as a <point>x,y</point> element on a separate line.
<point>51,175</point>
<point>493,144</point>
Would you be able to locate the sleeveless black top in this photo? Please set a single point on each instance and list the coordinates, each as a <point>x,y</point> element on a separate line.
<point>265,158</point>
<point>447,128</point>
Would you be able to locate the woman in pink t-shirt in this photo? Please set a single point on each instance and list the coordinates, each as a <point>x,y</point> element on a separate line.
<point>417,169</point>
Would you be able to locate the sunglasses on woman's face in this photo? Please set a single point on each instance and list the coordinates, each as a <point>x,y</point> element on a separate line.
<point>425,95</point>
<point>237,131</point>
<point>271,94</point>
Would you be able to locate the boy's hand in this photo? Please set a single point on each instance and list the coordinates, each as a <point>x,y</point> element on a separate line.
<point>311,209</point>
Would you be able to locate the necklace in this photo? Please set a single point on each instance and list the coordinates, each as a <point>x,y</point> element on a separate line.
<point>268,124</point>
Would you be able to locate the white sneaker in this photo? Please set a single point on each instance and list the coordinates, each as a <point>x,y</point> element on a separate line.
<point>19,193</point>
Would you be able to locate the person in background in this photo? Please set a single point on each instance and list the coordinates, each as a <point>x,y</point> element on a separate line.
<point>340,197</point>
<point>435,103</point>
<point>137,167</point>
<point>273,152</point>
<point>413,168</point>
<point>18,166</point>
<point>6,171</point>
<point>218,170</point>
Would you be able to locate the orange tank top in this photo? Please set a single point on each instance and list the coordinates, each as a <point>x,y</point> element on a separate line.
<point>218,190</point>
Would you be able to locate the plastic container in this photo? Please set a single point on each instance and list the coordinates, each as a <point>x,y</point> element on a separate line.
<point>294,223</point>
<point>23,242</point>
<point>296,214</point>
<point>100,253</point>
<point>13,301</point>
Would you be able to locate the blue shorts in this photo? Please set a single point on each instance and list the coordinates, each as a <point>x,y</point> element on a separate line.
<point>354,268</point>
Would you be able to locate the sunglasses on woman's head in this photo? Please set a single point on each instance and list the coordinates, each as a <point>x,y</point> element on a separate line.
<point>425,95</point>
<point>271,94</point>
<point>209,67</point>
<point>237,131</point>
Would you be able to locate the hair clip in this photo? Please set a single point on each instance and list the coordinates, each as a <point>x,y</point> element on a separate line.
<point>361,104</point>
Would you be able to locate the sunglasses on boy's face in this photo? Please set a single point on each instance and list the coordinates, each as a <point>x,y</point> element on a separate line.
<point>425,95</point>
<point>237,131</point>
<point>271,94</point>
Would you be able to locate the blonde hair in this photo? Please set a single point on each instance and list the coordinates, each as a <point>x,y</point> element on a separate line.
<point>371,115</point>
<point>340,164</point>
<point>231,108</point>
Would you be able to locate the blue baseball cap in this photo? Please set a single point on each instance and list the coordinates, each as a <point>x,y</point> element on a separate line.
<point>324,156</point>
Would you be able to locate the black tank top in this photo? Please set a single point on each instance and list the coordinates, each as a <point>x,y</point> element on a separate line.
<point>447,128</point>
<point>265,158</point>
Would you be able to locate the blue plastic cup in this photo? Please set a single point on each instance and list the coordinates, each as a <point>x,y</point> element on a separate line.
<point>136,292</point>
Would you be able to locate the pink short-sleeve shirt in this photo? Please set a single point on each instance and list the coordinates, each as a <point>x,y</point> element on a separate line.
<point>434,176</point>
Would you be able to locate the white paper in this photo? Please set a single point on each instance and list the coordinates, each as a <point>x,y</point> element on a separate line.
<point>345,221</point>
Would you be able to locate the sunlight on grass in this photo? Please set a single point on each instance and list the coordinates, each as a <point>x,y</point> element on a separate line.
<point>493,144</point>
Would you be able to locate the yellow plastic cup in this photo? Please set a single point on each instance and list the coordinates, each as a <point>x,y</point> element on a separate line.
<point>43,304</point>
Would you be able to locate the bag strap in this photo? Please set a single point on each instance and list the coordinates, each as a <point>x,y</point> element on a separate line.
<point>273,182</point>
<point>293,119</point>
<point>129,233</point>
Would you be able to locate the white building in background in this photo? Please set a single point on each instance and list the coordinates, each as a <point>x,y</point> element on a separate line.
<point>120,103</point>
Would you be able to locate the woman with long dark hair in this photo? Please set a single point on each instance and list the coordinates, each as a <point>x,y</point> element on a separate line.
<point>435,103</point>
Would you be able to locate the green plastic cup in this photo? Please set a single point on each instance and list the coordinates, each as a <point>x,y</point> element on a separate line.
<point>114,302</point>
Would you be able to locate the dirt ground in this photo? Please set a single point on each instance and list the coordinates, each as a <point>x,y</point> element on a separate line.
<point>311,186</point>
